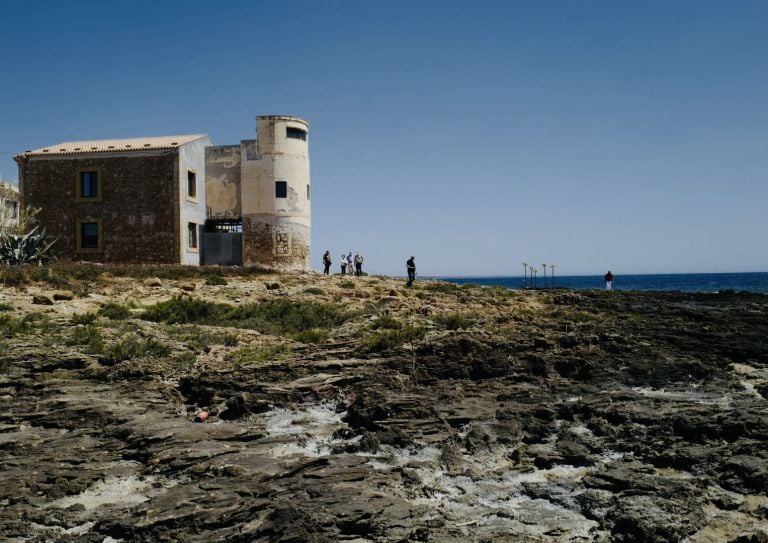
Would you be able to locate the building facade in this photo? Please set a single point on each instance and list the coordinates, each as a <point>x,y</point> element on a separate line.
<point>265,183</point>
<point>138,200</point>
<point>9,208</point>
<point>177,199</point>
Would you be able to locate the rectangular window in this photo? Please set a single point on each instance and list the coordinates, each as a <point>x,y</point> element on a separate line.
<point>191,184</point>
<point>281,189</point>
<point>296,133</point>
<point>307,192</point>
<point>192,235</point>
<point>89,235</point>
<point>89,185</point>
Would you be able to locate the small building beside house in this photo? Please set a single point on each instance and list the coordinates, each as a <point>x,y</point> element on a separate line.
<point>9,207</point>
<point>177,199</point>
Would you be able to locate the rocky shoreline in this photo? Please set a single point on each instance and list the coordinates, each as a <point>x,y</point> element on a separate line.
<point>438,413</point>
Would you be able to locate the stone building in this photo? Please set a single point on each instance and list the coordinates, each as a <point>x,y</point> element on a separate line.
<point>127,200</point>
<point>177,199</point>
<point>264,185</point>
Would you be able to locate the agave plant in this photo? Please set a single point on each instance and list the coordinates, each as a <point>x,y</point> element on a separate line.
<point>29,248</point>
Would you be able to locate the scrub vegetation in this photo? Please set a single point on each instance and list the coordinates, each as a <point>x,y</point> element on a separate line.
<point>278,317</point>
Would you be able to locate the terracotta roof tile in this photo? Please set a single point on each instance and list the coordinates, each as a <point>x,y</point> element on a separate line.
<point>112,146</point>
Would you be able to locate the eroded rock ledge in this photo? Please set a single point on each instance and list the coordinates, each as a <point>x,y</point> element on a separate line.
<point>429,414</point>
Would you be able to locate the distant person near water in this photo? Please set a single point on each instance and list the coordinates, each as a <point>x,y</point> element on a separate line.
<point>327,263</point>
<point>410,265</point>
<point>358,264</point>
<point>608,280</point>
<point>343,264</point>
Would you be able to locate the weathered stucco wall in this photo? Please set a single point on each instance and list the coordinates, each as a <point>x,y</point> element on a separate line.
<point>275,242</point>
<point>222,174</point>
<point>276,231</point>
<point>137,208</point>
<point>9,207</point>
<point>192,210</point>
<point>277,158</point>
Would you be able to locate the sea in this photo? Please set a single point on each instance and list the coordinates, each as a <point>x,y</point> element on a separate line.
<point>685,282</point>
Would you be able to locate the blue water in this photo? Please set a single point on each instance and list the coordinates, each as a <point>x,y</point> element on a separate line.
<point>686,282</point>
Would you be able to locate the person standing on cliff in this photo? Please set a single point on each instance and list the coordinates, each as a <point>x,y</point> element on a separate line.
<point>410,265</point>
<point>358,264</point>
<point>608,280</point>
<point>327,263</point>
<point>343,264</point>
<point>350,263</point>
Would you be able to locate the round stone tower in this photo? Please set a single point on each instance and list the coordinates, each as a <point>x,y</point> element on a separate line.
<point>276,193</point>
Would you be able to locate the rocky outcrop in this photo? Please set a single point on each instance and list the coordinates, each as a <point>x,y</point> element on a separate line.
<point>546,417</point>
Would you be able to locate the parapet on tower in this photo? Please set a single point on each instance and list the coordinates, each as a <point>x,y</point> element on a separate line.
<point>264,185</point>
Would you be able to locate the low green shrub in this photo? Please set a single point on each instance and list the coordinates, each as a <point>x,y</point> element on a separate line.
<point>215,280</point>
<point>229,340</point>
<point>11,326</point>
<point>186,310</point>
<point>247,355</point>
<point>502,292</point>
<point>314,290</point>
<point>347,284</point>
<point>445,288</point>
<point>4,359</point>
<point>6,307</point>
<point>315,335</point>
<point>186,359</point>
<point>389,339</point>
<point>270,317</point>
<point>454,321</point>
<point>134,347</point>
<point>39,321</point>
<point>580,316</point>
<point>12,276</point>
<point>114,311</point>
<point>385,322</point>
<point>199,338</point>
<point>88,336</point>
<point>84,318</point>
<point>69,274</point>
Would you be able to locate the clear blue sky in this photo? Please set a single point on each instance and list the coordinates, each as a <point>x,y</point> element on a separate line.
<point>617,134</point>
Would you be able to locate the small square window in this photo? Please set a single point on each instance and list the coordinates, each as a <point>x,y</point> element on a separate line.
<point>89,185</point>
<point>191,184</point>
<point>192,235</point>
<point>281,189</point>
<point>89,235</point>
<point>296,133</point>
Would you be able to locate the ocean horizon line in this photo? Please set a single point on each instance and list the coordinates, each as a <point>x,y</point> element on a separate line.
<point>617,274</point>
<point>683,282</point>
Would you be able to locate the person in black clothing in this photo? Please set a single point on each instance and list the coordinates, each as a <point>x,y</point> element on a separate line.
<point>411,267</point>
<point>608,280</point>
<point>327,263</point>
